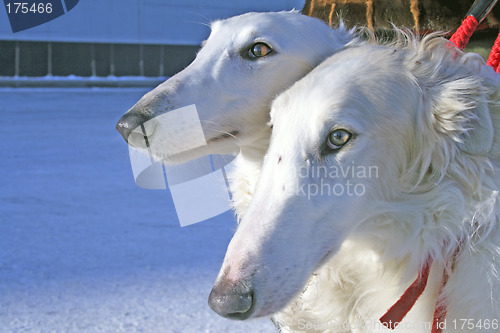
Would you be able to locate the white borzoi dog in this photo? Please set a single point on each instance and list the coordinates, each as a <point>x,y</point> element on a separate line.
<point>244,64</point>
<point>383,166</point>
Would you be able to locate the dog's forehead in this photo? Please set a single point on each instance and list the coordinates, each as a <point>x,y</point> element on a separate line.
<point>328,84</point>
<point>345,87</point>
<point>252,25</point>
<point>233,28</point>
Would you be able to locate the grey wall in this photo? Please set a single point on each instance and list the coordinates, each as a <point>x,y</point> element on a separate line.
<point>22,58</point>
<point>120,37</point>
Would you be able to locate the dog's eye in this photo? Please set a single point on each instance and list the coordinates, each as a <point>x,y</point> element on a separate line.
<point>338,138</point>
<point>259,50</point>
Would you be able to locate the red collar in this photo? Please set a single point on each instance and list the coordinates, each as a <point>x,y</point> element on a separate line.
<point>398,311</point>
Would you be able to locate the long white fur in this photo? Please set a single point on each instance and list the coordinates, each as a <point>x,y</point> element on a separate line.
<point>428,117</point>
<point>346,287</point>
<point>234,94</point>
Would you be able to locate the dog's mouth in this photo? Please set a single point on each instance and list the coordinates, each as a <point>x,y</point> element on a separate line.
<point>147,143</point>
<point>233,134</point>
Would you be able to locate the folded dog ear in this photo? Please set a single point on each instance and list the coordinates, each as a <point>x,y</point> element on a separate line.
<point>462,112</point>
<point>479,138</point>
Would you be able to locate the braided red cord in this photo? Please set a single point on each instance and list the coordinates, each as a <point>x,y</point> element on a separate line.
<point>461,37</point>
<point>494,58</point>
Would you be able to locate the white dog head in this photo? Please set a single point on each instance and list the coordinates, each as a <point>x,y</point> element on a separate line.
<point>371,129</point>
<point>246,61</point>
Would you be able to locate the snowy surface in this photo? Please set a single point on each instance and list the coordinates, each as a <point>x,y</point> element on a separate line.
<point>82,248</point>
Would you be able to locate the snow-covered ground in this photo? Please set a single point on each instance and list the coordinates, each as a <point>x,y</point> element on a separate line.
<point>82,248</point>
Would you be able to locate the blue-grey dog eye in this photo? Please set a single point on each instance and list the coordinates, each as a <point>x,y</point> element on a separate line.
<point>338,138</point>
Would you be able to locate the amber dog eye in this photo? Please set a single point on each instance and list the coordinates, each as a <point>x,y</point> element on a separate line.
<point>338,138</point>
<point>259,50</point>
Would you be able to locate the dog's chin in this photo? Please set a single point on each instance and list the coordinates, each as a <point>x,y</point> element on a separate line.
<point>270,308</point>
<point>222,137</point>
<point>183,157</point>
<point>227,148</point>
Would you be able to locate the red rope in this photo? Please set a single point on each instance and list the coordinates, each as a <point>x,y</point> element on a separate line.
<point>494,58</point>
<point>439,320</point>
<point>398,311</point>
<point>461,37</point>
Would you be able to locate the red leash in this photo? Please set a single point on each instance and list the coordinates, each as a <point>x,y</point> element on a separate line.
<point>494,59</point>
<point>461,37</point>
<point>478,12</point>
<point>398,311</point>
<point>441,309</point>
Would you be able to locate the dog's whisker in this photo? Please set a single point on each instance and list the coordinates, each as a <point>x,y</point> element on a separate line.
<point>226,134</point>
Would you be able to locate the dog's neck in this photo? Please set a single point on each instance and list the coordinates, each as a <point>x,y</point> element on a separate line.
<point>400,309</point>
<point>254,150</point>
<point>245,174</point>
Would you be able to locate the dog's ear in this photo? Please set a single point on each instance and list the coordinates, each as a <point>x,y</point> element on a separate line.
<point>462,111</point>
<point>479,137</point>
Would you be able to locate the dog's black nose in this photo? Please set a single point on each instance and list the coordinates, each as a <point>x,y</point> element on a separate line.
<point>231,300</point>
<point>130,121</point>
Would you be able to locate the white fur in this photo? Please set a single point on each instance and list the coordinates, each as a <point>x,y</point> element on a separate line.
<point>425,116</point>
<point>233,94</point>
